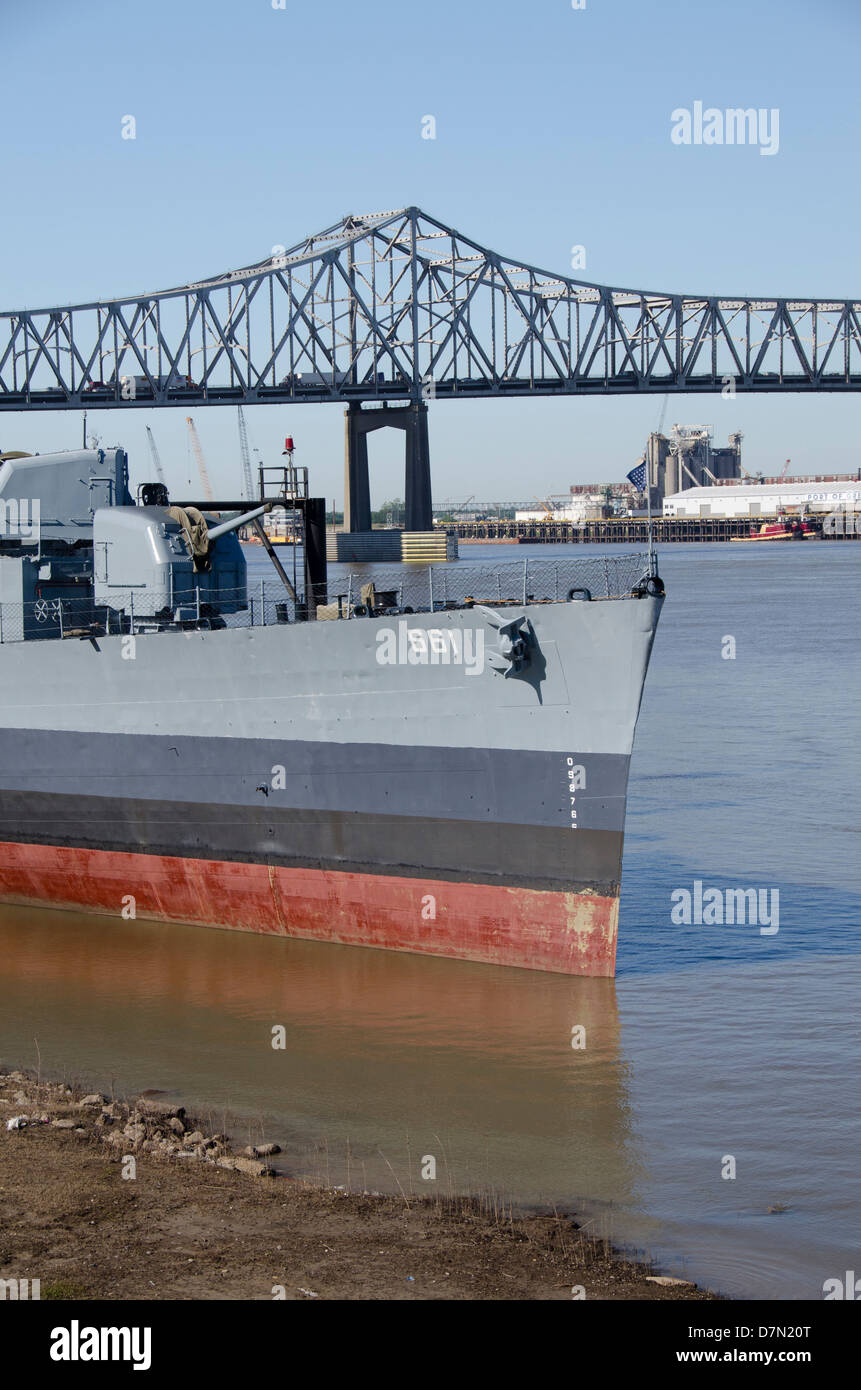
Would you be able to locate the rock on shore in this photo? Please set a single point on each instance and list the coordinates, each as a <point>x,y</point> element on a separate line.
<point>145,1125</point>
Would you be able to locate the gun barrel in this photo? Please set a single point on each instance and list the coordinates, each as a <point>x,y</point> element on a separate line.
<point>231,525</point>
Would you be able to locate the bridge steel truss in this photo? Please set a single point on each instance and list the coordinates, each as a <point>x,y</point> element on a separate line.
<point>397,307</point>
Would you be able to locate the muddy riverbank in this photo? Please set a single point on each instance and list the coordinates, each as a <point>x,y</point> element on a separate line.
<point>109,1199</point>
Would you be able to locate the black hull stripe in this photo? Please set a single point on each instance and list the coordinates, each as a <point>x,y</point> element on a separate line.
<point>547,858</point>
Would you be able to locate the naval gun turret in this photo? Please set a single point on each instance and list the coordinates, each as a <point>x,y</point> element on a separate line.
<point>79,555</point>
<point>168,565</point>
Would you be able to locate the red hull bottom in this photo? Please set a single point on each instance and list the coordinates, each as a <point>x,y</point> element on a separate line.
<point>569,933</point>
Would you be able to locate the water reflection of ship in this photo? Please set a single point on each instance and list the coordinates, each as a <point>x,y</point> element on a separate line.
<point>384,1050</point>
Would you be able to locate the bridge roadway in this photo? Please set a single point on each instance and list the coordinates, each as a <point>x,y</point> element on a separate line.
<point>396,309</point>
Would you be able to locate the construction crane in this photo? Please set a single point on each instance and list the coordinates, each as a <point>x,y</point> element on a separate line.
<point>201,461</point>
<point>159,471</point>
<point>783,470</point>
<point>458,511</point>
<point>246,455</point>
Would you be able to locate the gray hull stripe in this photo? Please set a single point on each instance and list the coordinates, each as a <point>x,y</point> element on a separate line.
<point>473,784</point>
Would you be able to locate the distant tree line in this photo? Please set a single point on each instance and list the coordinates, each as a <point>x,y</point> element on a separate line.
<point>391,513</point>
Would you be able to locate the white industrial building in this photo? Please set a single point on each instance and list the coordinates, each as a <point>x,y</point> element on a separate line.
<point>584,506</point>
<point>765,499</point>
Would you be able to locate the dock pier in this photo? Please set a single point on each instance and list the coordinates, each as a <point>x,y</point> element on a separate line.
<point>621,530</point>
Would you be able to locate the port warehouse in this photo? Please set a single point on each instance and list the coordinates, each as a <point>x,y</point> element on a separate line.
<point>811,496</point>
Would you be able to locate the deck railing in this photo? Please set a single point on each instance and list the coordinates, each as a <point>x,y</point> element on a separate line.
<point>351,592</point>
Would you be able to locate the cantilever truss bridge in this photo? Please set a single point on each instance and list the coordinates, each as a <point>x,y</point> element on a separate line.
<point>399,307</point>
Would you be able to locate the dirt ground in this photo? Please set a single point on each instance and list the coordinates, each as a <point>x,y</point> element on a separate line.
<point>185,1228</point>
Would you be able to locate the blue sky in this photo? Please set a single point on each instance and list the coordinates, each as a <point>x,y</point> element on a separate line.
<point>257,125</point>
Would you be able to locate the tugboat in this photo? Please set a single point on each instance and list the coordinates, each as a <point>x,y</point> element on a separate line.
<point>786,528</point>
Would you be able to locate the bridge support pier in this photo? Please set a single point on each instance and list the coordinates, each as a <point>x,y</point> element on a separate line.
<point>357,488</point>
<point>413,420</point>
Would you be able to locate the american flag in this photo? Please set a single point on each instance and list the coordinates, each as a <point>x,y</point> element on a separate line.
<point>637,477</point>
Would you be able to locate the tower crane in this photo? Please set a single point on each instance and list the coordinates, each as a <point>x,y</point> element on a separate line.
<point>544,503</point>
<point>155,456</point>
<point>200,460</point>
<point>246,455</point>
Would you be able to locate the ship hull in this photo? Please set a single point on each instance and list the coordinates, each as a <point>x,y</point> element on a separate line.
<point>569,933</point>
<point>285,781</point>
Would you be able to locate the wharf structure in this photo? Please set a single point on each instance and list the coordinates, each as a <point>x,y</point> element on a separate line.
<point>633,530</point>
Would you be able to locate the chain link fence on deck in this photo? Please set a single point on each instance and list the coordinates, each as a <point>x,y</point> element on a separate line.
<point>421,589</point>
<point>431,588</point>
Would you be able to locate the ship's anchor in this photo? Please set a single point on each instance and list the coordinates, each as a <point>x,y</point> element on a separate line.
<point>516,640</point>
